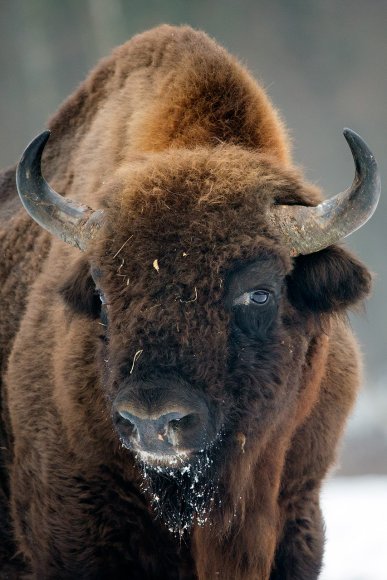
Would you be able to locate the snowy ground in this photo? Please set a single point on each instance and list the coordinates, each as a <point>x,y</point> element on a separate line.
<point>355,512</point>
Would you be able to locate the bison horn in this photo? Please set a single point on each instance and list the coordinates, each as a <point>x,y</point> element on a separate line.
<point>310,229</point>
<point>74,223</point>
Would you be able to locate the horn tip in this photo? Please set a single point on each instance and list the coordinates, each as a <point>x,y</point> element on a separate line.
<point>349,134</point>
<point>40,140</point>
<point>44,136</point>
<point>354,140</point>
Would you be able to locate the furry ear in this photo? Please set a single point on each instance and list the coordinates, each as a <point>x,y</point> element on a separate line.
<point>79,291</point>
<point>328,281</point>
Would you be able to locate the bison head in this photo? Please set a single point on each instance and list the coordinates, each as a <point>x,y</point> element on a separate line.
<point>207,278</point>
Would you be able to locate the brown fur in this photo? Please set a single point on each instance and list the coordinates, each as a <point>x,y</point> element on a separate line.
<point>186,154</point>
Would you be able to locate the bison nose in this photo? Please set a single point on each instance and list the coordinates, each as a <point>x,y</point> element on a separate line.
<point>173,432</point>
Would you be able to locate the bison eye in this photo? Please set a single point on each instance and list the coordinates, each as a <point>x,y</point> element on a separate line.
<point>258,297</point>
<point>255,312</point>
<point>102,296</point>
<point>103,310</point>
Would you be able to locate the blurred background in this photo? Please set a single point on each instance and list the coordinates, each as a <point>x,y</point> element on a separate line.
<point>324,65</point>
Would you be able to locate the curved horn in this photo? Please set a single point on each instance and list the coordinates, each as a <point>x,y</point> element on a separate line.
<point>74,223</point>
<point>310,229</point>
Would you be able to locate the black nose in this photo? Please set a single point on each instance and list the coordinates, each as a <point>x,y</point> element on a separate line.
<point>175,431</point>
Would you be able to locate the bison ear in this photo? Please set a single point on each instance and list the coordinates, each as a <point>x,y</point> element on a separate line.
<point>79,291</point>
<point>328,281</point>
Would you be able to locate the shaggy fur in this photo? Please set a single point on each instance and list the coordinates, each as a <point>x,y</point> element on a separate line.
<point>186,154</point>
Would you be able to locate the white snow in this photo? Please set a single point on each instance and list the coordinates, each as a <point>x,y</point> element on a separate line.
<point>355,512</point>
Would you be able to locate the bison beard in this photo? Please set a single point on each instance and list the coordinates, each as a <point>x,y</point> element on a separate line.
<point>211,409</point>
<point>186,494</point>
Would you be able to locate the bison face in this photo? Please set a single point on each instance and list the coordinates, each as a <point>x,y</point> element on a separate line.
<point>208,325</point>
<point>194,380</point>
<point>184,375</point>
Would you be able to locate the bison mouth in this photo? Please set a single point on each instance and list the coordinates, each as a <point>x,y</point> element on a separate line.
<point>184,491</point>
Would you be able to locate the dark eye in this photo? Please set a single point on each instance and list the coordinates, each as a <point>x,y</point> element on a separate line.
<point>258,297</point>
<point>103,308</point>
<point>255,312</point>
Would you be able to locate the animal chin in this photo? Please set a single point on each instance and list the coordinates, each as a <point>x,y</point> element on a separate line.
<point>182,490</point>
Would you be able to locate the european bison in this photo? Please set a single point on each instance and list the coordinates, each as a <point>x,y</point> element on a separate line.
<point>173,395</point>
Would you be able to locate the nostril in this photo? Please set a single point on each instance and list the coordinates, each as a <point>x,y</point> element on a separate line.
<point>126,416</point>
<point>178,428</point>
<point>126,422</point>
<point>188,421</point>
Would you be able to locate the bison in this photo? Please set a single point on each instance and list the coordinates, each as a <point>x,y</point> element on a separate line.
<point>176,377</point>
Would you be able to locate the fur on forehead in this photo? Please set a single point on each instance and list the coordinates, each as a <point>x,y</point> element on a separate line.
<point>220,195</point>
